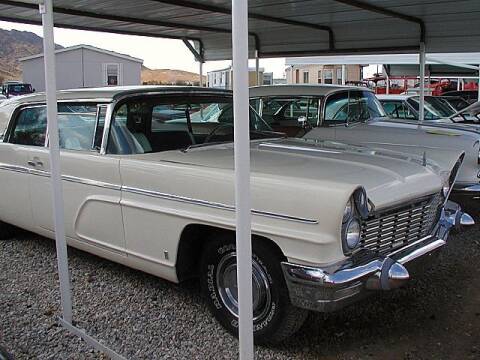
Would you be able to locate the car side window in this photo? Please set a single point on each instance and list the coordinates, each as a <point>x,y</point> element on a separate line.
<point>393,108</point>
<point>30,127</point>
<point>76,126</point>
<point>336,108</point>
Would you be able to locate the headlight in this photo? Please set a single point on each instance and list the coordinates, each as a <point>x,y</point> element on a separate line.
<point>352,234</point>
<point>348,212</point>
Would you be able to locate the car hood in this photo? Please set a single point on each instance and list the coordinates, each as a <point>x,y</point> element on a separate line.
<point>442,123</point>
<point>388,177</point>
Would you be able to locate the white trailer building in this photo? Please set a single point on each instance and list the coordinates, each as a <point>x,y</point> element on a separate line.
<point>84,66</point>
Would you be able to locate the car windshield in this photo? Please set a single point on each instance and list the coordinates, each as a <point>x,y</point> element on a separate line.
<point>352,106</point>
<point>156,124</point>
<point>435,108</point>
<point>19,88</point>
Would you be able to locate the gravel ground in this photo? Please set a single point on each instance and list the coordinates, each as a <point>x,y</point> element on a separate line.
<point>143,317</point>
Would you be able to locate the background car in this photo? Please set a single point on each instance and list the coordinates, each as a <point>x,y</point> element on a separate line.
<point>470,96</point>
<point>441,109</point>
<point>354,115</point>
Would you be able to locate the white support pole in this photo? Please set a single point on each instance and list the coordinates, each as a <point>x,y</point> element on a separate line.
<point>458,84</point>
<point>46,9</point>
<point>422,83</point>
<point>344,73</point>
<point>201,73</point>
<point>387,79</point>
<point>257,67</point>
<point>478,82</point>
<point>242,176</point>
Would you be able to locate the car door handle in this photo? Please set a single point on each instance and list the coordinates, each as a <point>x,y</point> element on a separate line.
<point>31,163</point>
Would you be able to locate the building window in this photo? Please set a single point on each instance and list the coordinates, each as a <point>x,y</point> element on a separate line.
<point>112,74</point>
<point>306,79</point>
<point>297,76</point>
<point>339,76</point>
<point>328,76</point>
<point>319,76</point>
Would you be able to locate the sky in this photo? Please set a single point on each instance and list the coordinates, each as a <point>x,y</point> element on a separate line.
<point>151,50</point>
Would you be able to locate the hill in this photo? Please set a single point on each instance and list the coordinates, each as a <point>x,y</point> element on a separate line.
<point>169,77</point>
<point>14,45</point>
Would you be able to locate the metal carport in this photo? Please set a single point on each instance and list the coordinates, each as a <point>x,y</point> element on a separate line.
<point>258,28</point>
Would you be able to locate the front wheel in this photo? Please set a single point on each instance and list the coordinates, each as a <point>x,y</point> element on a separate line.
<point>274,318</point>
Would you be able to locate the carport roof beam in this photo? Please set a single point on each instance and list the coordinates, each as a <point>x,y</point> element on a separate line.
<point>127,19</point>
<point>98,29</point>
<point>222,10</point>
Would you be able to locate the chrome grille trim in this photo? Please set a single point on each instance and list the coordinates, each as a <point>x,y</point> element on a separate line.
<point>395,228</point>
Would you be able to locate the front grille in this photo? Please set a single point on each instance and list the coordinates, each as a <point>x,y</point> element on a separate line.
<point>393,229</point>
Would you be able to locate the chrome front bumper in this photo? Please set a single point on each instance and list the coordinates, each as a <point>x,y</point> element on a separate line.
<point>331,288</point>
<point>467,189</point>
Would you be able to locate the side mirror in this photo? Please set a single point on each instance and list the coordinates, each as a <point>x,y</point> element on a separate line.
<point>33,90</point>
<point>302,120</point>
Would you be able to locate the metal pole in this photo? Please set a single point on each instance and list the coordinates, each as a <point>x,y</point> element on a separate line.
<point>257,67</point>
<point>46,9</point>
<point>242,176</point>
<point>478,82</point>
<point>422,83</point>
<point>458,84</point>
<point>387,78</point>
<point>201,73</point>
<point>343,74</point>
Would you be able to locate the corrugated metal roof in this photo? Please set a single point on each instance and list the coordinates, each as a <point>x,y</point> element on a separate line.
<point>278,28</point>
<point>88,47</point>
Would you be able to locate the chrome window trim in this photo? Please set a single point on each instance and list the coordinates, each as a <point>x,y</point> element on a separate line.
<point>324,107</point>
<point>106,128</point>
<point>97,121</point>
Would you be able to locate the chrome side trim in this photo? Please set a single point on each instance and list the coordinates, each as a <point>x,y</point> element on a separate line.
<point>15,168</point>
<point>156,194</point>
<point>213,204</point>
<point>470,188</point>
<point>293,148</point>
<point>91,182</point>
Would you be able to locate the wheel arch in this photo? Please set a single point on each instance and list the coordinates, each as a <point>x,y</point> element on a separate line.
<point>192,240</point>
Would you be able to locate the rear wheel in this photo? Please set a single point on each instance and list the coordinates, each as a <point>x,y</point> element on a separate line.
<point>274,317</point>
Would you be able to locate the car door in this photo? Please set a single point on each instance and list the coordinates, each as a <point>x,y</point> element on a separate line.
<point>15,206</point>
<point>91,182</point>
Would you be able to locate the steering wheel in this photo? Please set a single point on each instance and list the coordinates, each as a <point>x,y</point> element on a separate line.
<point>215,129</point>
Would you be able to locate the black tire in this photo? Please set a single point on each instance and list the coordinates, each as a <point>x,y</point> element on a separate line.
<point>7,231</point>
<point>275,318</point>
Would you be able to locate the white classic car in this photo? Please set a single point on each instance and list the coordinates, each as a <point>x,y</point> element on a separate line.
<point>438,109</point>
<point>354,115</point>
<point>148,182</point>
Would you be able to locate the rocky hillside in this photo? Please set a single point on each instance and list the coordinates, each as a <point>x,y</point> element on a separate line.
<point>169,77</point>
<point>14,45</point>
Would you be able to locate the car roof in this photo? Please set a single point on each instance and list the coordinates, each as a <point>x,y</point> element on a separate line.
<point>300,90</point>
<point>111,93</point>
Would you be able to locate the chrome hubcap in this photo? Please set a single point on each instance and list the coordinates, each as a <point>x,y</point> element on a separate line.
<point>226,279</point>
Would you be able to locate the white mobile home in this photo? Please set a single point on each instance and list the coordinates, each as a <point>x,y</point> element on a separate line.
<point>84,66</point>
